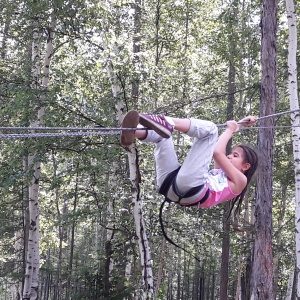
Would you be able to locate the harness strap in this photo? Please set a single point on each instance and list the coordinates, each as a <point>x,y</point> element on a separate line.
<point>164,188</point>
<point>170,181</point>
<point>204,198</point>
<point>165,234</point>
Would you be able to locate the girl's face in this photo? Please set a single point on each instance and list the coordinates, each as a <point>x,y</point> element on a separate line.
<point>237,158</point>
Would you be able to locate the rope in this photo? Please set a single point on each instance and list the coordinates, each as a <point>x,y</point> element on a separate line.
<point>96,131</point>
<point>60,134</point>
<point>265,117</point>
<point>71,128</point>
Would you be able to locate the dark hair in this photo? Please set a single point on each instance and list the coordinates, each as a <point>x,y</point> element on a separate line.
<point>251,157</point>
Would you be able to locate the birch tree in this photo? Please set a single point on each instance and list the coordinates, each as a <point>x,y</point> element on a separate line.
<point>5,37</point>
<point>144,247</point>
<point>295,122</point>
<point>112,183</point>
<point>134,177</point>
<point>31,283</point>
<point>289,290</point>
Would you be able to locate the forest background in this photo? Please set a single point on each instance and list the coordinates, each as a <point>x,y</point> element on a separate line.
<point>67,213</point>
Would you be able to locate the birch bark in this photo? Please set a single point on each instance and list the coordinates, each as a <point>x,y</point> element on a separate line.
<point>32,259</point>
<point>289,290</point>
<point>295,121</point>
<point>112,183</point>
<point>31,282</point>
<point>277,252</point>
<point>144,249</point>
<point>5,37</point>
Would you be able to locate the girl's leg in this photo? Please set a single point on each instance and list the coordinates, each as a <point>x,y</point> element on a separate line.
<point>165,156</point>
<point>194,169</point>
<point>141,134</point>
<point>182,125</point>
<point>166,159</point>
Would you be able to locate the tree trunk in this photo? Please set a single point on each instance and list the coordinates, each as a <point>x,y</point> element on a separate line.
<point>246,277</point>
<point>238,293</point>
<point>226,221</point>
<point>144,248</point>
<point>31,283</point>
<point>161,265</point>
<point>197,287</point>
<point>136,52</point>
<point>32,260</point>
<point>225,255</point>
<point>4,37</point>
<point>262,268</point>
<point>61,235</point>
<point>289,290</point>
<point>280,226</point>
<point>112,182</point>
<point>295,121</point>
<point>179,287</point>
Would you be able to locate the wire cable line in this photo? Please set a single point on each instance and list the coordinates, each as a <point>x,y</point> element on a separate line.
<point>97,131</point>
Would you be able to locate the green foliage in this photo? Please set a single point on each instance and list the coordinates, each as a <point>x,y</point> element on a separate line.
<point>182,70</point>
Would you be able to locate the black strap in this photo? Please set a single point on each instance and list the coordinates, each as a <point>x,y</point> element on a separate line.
<point>170,180</point>
<point>164,188</point>
<point>204,198</point>
<point>165,234</point>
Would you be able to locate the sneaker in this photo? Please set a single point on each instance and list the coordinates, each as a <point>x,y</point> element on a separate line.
<point>131,120</point>
<point>158,123</point>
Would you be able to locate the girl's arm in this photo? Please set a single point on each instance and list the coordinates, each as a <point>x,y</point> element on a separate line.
<point>237,179</point>
<point>224,138</point>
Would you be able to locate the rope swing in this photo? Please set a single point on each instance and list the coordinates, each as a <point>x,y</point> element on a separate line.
<point>97,131</point>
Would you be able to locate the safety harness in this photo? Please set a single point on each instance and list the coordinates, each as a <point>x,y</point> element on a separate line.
<point>171,181</point>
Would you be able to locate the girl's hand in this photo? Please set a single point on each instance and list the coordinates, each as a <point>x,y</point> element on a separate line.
<point>248,121</point>
<point>232,125</point>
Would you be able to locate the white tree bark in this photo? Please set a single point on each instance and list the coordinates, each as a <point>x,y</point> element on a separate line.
<point>289,290</point>
<point>112,183</point>
<point>144,248</point>
<point>32,259</point>
<point>295,121</point>
<point>31,282</point>
<point>277,252</point>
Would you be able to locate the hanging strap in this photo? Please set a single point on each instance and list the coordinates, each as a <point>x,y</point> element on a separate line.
<point>168,182</point>
<point>165,234</point>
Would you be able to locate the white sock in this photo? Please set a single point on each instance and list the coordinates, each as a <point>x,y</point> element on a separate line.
<point>170,121</point>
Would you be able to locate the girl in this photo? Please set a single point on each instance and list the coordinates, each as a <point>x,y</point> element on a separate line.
<point>192,184</point>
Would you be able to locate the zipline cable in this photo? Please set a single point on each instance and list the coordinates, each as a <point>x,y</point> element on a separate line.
<point>96,131</point>
<point>69,128</point>
<point>265,117</point>
<point>54,134</point>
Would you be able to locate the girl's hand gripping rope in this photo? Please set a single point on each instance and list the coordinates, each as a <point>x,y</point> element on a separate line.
<point>247,121</point>
<point>234,126</point>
